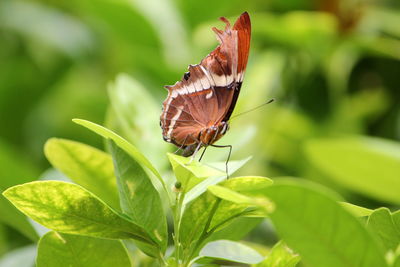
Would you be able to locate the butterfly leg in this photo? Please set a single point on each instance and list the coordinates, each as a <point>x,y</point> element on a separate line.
<point>202,153</point>
<point>195,152</point>
<point>227,160</point>
<point>183,144</point>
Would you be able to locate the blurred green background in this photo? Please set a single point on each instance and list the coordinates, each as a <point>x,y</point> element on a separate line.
<point>332,66</point>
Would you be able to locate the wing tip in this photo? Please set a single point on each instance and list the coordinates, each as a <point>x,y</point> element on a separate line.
<point>243,22</point>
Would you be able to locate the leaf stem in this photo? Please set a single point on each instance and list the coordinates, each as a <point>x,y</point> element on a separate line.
<point>177,223</point>
<point>205,233</point>
<point>161,260</point>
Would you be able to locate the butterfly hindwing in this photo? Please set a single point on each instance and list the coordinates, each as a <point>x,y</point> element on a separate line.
<point>206,95</point>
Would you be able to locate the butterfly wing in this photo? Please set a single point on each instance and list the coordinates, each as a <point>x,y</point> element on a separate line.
<point>207,93</point>
<point>227,63</point>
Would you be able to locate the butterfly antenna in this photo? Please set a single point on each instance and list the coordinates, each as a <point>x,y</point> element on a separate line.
<point>250,110</point>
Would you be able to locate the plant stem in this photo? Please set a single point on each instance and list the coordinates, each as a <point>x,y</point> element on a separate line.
<point>161,260</point>
<point>205,233</point>
<point>177,223</point>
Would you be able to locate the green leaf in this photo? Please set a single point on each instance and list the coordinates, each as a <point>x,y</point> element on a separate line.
<point>248,186</point>
<point>69,208</point>
<point>86,166</point>
<point>369,166</point>
<point>122,143</point>
<point>190,173</point>
<point>15,219</point>
<point>280,256</point>
<point>235,197</point>
<point>314,224</point>
<point>56,249</point>
<point>139,199</point>
<point>128,97</point>
<point>208,214</point>
<point>237,230</point>
<point>229,195</point>
<point>356,210</point>
<point>382,224</point>
<point>201,187</point>
<point>231,251</point>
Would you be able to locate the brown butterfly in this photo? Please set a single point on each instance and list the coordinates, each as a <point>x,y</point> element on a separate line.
<point>198,107</point>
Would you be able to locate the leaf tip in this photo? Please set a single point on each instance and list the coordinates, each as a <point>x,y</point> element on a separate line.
<point>9,192</point>
<point>78,121</point>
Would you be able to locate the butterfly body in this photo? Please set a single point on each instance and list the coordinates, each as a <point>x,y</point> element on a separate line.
<point>198,107</point>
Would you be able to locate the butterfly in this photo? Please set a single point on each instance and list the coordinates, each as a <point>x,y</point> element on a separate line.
<point>197,109</point>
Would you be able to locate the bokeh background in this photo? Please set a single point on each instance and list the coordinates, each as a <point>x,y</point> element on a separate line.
<point>332,66</point>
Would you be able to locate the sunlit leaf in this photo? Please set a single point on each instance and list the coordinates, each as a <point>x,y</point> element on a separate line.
<point>356,210</point>
<point>139,199</point>
<point>237,230</point>
<point>64,250</point>
<point>125,145</point>
<point>370,166</point>
<point>383,225</point>
<point>231,251</point>
<point>247,186</point>
<point>280,256</point>
<point>311,221</point>
<point>68,208</point>
<point>238,198</point>
<point>190,172</point>
<point>201,187</point>
<point>207,214</point>
<point>229,195</point>
<point>86,166</point>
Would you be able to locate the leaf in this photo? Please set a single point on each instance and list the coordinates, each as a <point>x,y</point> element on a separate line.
<point>229,195</point>
<point>231,251</point>
<point>202,186</point>
<point>309,220</point>
<point>56,249</point>
<point>139,199</point>
<point>382,224</point>
<point>237,230</point>
<point>86,166</point>
<point>249,186</point>
<point>190,173</point>
<point>280,256</point>
<point>356,210</point>
<point>207,214</point>
<point>235,197</point>
<point>69,208</point>
<point>15,219</point>
<point>122,143</point>
<point>128,97</point>
<point>369,166</point>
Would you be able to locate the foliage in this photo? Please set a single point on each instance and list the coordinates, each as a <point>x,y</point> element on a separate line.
<point>307,216</point>
<point>332,67</point>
